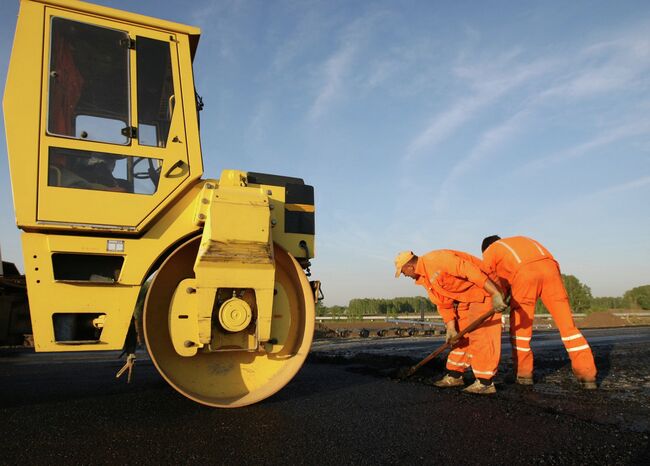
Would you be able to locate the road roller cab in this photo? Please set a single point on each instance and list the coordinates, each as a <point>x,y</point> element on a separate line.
<point>102,127</point>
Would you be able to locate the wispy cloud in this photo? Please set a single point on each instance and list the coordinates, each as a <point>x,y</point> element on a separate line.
<point>489,142</point>
<point>337,67</point>
<point>217,20</point>
<point>259,120</point>
<point>620,64</point>
<point>608,136</point>
<point>546,83</point>
<point>380,72</point>
<point>307,28</point>
<point>550,212</point>
<point>445,123</point>
<point>334,70</point>
<point>407,68</point>
<point>486,83</point>
<point>623,187</point>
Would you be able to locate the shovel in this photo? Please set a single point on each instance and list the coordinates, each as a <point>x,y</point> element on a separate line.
<point>406,372</point>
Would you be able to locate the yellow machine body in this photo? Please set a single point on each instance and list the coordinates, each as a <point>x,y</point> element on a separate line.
<point>104,153</point>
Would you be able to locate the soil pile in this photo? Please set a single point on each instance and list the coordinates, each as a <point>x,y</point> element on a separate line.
<point>601,319</point>
<point>322,331</point>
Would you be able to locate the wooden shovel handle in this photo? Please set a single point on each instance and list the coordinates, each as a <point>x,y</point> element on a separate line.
<point>471,327</point>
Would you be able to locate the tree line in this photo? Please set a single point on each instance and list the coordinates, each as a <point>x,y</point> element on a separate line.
<point>580,299</point>
<point>360,307</point>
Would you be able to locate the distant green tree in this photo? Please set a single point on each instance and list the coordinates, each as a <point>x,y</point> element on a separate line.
<point>638,297</point>
<point>540,308</point>
<point>579,294</point>
<point>321,309</point>
<point>358,306</point>
<point>331,311</point>
<point>605,303</point>
<point>354,314</point>
<point>404,307</point>
<point>413,304</point>
<point>580,300</point>
<point>394,306</point>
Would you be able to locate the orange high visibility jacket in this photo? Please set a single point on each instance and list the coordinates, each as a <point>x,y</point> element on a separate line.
<point>451,276</point>
<point>507,256</point>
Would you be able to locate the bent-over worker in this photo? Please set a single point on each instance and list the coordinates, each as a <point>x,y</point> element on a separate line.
<point>461,290</point>
<point>532,272</point>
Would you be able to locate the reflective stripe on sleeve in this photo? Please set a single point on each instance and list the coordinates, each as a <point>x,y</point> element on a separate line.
<point>459,353</point>
<point>572,337</point>
<point>525,350</point>
<point>511,250</point>
<point>578,348</point>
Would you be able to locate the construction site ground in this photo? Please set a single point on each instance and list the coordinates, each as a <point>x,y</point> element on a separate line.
<point>600,319</point>
<point>344,407</point>
<point>622,357</point>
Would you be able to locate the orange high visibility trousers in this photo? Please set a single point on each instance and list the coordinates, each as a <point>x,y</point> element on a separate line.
<point>541,279</point>
<point>480,349</point>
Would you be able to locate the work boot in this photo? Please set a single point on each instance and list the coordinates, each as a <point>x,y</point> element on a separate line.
<point>448,381</point>
<point>524,380</point>
<point>588,384</point>
<point>477,388</point>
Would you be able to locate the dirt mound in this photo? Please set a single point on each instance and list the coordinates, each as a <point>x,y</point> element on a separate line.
<point>601,319</point>
<point>322,331</point>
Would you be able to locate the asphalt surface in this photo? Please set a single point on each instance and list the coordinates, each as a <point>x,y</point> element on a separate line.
<point>416,347</point>
<point>342,408</point>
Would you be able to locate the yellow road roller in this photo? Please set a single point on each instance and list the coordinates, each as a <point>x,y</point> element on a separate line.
<point>102,126</point>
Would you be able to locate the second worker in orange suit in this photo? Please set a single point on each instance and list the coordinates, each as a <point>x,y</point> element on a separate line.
<point>532,273</point>
<point>461,290</point>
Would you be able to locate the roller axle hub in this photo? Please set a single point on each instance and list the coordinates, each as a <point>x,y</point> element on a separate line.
<point>235,315</point>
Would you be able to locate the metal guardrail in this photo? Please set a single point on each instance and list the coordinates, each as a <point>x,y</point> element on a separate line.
<point>380,318</point>
<point>415,322</point>
<point>436,317</point>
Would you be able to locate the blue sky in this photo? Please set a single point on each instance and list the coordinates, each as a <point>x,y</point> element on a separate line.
<point>427,125</point>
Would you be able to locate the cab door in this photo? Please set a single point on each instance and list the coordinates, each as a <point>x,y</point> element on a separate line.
<point>113,140</point>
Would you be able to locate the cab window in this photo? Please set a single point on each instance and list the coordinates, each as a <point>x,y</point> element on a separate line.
<point>155,91</point>
<point>82,169</point>
<point>88,82</point>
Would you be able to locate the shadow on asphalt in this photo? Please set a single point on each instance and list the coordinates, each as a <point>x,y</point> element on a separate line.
<point>303,385</point>
<point>62,382</point>
<point>602,355</point>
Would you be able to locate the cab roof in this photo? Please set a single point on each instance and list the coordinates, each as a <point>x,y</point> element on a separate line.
<point>193,32</point>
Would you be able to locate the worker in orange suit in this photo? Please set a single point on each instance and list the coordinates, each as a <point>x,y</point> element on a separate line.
<point>532,272</point>
<point>461,290</point>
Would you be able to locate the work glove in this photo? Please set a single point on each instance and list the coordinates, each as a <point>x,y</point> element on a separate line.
<point>451,331</point>
<point>498,304</point>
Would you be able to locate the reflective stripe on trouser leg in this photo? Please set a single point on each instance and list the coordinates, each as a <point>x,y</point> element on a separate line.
<point>459,357</point>
<point>582,359</point>
<point>521,331</point>
<point>556,300</point>
<point>458,360</point>
<point>485,342</point>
